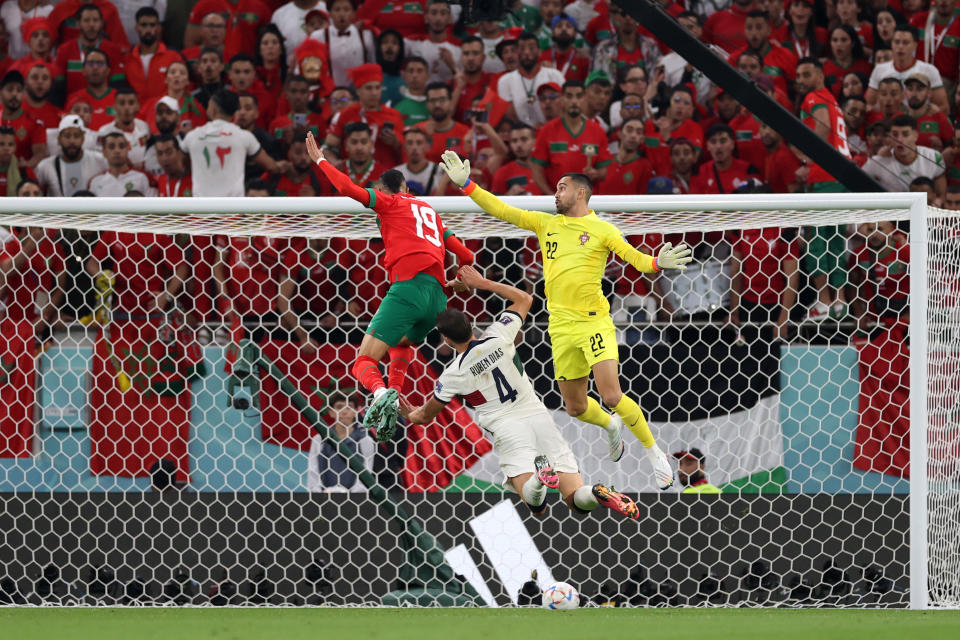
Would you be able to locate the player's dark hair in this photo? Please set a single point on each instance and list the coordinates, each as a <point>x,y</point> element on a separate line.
<point>166,137</point>
<point>355,127</point>
<point>415,60</point>
<point>393,181</point>
<point>572,84</point>
<point>581,181</point>
<point>25,181</point>
<point>87,7</point>
<point>227,102</point>
<point>923,181</point>
<point>146,12</point>
<point>454,325</point>
<point>127,90</point>
<point>7,131</point>
<point>903,120</point>
<point>243,57</point>
<point>810,60</point>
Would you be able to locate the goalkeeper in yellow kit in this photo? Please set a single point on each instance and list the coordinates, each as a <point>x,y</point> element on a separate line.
<point>575,244</point>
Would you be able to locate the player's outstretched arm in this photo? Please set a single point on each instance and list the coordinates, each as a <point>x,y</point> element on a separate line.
<point>669,257</point>
<point>459,173</point>
<point>522,301</point>
<point>337,178</point>
<point>423,414</point>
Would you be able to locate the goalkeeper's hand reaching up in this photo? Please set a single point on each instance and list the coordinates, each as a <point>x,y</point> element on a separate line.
<point>673,257</point>
<point>457,170</point>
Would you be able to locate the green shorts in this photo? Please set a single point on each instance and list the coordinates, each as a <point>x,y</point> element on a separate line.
<point>826,246</point>
<point>409,310</point>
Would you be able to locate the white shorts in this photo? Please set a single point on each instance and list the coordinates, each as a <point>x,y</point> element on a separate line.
<point>519,441</point>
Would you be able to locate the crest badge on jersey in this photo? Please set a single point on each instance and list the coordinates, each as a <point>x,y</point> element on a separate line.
<point>584,238</point>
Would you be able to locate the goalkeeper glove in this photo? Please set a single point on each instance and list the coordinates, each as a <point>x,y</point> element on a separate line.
<point>673,257</point>
<point>457,169</point>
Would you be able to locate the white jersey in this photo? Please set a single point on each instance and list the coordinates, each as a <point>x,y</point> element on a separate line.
<point>522,92</point>
<point>430,51</point>
<point>488,379</point>
<point>291,20</point>
<point>886,70</point>
<point>348,49</point>
<point>108,185</point>
<point>896,176</point>
<point>60,178</point>
<point>137,138</point>
<point>218,158</point>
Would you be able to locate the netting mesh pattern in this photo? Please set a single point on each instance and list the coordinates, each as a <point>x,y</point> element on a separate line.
<point>141,463</point>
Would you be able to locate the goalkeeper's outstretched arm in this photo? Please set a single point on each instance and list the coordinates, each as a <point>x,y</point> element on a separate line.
<point>669,257</point>
<point>459,173</point>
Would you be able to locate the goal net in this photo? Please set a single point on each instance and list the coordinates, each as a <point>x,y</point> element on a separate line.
<point>179,424</point>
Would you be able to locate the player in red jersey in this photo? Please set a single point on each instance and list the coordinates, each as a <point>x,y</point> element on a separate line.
<point>415,243</point>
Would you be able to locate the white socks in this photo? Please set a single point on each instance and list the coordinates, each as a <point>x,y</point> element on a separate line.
<point>584,498</point>
<point>533,491</point>
<point>379,392</point>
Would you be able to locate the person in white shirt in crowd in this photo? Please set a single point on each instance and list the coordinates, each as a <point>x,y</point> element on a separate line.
<point>291,20</point>
<point>167,120</point>
<point>119,178</point>
<point>421,175</point>
<point>327,469</point>
<point>136,131</point>
<point>219,150</point>
<point>520,86</point>
<point>127,9</point>
<point>441,53</point>
<point>14,13</point>
<point>72,167</point>
<point>349,45</point>
<point>907,162</point>
<point>905,64</point>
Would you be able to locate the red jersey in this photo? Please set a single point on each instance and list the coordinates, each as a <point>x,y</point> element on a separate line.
<point>804,47</point>
<point>152,82</point>
<point>26,131</point>
<point>514,173</point>
<point>102,105</point>
<point>406,16</point>
<point>142,264</point>
<point>257,267</point>
<point>571,65</point>
<point>413,236</point>
<point>319,280</point>
<point>377,120</point>
<point>63,22</point>
<point>561,150</point>
<point>39,273</point>
<point>309,185</point>
<point>746,131</point>
<point>738,173</point>
<point>70,58</point>
<point>887,274</point>
<point>833,74</point>
<point>168,187</point>
<point>657,150</point>
<point>46,114</point>
<point>627,177</point>
<point>725,28</point>
<point>368,278</point>
<point>780,168</point>
<point>934,126</point>
<point>25,172</point>
<point>779,63</point>
<point>244,19</point>
<point>942,40</point>
<point>762,253</point>
<point>470,93</point>
<point>314,122</point>
<point>28,62</point>
<point>452,138</point>
<point>823,103</point>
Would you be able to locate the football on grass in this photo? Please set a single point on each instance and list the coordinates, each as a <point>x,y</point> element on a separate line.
<point>560,595</point>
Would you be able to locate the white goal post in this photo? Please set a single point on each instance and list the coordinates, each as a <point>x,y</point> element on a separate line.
<point>932,506</point>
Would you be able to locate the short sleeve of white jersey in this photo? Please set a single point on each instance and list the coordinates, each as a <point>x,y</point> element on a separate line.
<point>506,327</point>
<point>188,141</point>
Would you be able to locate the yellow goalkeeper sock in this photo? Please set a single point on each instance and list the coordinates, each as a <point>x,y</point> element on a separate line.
<point>632,416</point>
<point>595,414</point>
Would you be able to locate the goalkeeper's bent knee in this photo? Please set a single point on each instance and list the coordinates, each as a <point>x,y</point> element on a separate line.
<point>632,416</point>
<point>595,414</point>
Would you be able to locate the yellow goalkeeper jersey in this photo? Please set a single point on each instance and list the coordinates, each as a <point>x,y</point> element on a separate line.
<point>575,253</point>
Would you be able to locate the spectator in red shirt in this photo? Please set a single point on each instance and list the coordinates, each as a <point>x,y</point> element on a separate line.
<point>934,126</point>
<point>724,173</point>
<point>72,53</point>
<point>146,64</point>
<point>65,24</point>
<point>177,80</point>
<point>880,276</point>
<point>570,144</point>
<point>516,177</point>
<point>297,94</point>
<point>301,178</point>
<point>726,28</point>
<point>445,133</point>
<point>847,57</point>
<point>781,163</point>
<point>213,36</point>
<point>848,13</point>
<point>676,123</point>
<point>271,58</point>
<point>97,91</point>
<point>175,181</point>
<point>629,172</point>
<point>684,155</point>
<point>30,135</point>
<point>563,55</point>
<point>778,63</point>
<point>242,76</point>
<point>385,124</point>
<point>11,173</point>
<point>242,20</point>
<point>36,33</point>
<point>470,80</point>
<point>596,99</point>
<point>361,165</point>
<point>799,33</point>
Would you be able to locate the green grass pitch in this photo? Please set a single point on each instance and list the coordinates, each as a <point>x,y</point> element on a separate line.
<point>470,624</point>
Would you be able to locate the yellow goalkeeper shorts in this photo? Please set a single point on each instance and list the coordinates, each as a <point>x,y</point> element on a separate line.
<point>580,344</point>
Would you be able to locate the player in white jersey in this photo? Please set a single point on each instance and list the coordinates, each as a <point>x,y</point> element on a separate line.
<point>487,374</point>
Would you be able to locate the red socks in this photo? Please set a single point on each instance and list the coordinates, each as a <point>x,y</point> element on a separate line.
<point>400,358</point>
<point>367,373</point>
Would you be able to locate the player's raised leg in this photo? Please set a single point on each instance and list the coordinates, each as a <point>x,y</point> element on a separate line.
<point>367,372</point>
<point>531,488</point>
<point>584,499</point>
<point>578,404</point>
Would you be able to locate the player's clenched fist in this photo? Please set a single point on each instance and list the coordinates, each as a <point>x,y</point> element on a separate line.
<point>673,257</point>
<point>457,169</point>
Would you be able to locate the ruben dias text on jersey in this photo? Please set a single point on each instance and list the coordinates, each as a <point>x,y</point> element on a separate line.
<point>487,362</point>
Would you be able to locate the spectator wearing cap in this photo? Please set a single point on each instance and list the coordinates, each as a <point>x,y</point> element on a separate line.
<point>781,164</point>
<point>798,32</point>
<point>36,33</point>
<point>908,160</point>
<point>244,19</point>
<point>219,150</point>
<point>126,122</point>
<point>120,177</point>
<point>629,171</point>
<point>413,103</point>
<point>519,87</point>
<point>677,122</point>
<point>442,130</point>
<point>570,144</point>
<point>904,65</point>
<point>291,19</point>
<point>598,91</point>
<point>779,62</point>
<point>64,22</point>
<point>192,113</point>
<point>935,129</point>
<point>14,14</point>
<point>725,173</point>
<point>146,64</point>
<point>691,469</point>
<point>515,178</point>
<point>30,135</point>
<point>548,97</point>
<point>726,28</point>
<point>349,44</point>
<point>70,170</point>
<point>563,55</point>
<point>97,91</point>
<point>71,54</point>
<point>940,39</point>
<point>386,124</point>
<point>627,46</point>
<point>438,47</point>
